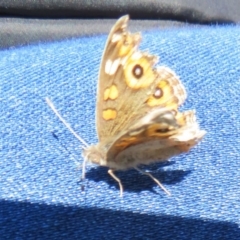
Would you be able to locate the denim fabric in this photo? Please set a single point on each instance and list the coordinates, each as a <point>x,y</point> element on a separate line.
<point>40,164</point>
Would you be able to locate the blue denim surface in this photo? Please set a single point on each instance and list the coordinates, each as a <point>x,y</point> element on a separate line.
<point>41,195</point>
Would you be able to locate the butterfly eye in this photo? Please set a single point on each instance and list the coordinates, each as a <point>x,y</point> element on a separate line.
<point>137,71</point>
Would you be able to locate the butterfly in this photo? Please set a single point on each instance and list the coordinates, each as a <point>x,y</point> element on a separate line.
<point>137,116</point>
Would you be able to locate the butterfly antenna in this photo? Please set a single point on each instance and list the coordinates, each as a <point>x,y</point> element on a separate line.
<point>66,149</point>
<point>50,104</point>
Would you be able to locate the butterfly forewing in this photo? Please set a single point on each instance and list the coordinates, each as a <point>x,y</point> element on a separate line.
<point>130,85</point>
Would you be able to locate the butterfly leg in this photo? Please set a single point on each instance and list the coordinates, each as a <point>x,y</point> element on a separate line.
<point>111,173</point>
<point>154,179</point>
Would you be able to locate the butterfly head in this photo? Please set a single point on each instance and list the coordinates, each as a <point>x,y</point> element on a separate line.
<point>95,154</point>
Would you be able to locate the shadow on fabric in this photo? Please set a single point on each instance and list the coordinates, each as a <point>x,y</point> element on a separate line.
<point>40,221</point>
<point>133,181</point>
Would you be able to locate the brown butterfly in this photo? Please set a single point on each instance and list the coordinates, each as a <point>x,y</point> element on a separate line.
<point>137,117</point>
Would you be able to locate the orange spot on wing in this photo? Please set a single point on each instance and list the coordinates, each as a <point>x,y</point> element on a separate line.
<point>127,43</point>
<point>126,142</point>
<point>110,93</point>
<point>109,114</point>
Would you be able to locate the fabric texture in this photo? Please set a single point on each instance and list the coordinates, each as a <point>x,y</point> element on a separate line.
<point>41,194</point>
